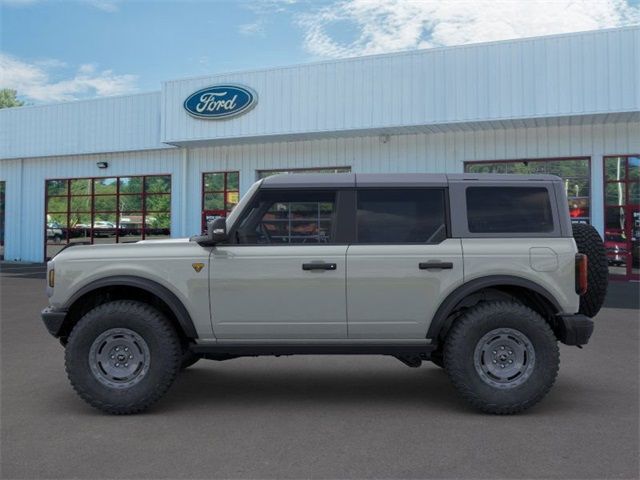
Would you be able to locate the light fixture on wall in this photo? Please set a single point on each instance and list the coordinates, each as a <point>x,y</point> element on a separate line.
<point>102,164</point>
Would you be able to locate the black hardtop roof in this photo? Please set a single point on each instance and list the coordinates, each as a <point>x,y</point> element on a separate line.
<point>346,180</point>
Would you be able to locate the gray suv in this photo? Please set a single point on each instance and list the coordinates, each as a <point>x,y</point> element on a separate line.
<point>479,274</point>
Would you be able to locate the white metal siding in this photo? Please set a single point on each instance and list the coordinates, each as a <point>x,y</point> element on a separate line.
<point>25,190</point>
<point>420,152</point>
<point>557,76</point>
<point>114,124</point>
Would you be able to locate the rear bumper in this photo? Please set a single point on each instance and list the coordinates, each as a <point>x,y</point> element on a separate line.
<point>53,320</point>
<point>574,329</point>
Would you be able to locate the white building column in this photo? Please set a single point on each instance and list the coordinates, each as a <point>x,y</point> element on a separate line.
<point>597,193</point>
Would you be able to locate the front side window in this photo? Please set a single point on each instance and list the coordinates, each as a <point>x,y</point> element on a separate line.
<point>509,210</point>
<point>401,216</point>
<point>287,218</point>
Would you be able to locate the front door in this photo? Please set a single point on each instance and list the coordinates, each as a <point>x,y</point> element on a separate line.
<point>283,275</point>
<point>402,263</point>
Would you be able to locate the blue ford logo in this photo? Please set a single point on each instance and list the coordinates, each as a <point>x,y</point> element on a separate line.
<point>220,101</point>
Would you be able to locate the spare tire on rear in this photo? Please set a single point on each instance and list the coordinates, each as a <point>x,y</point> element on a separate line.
<point>589,242</point>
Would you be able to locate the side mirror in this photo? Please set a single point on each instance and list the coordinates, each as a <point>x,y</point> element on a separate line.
<point>217,230</point>
<point>216,233</point>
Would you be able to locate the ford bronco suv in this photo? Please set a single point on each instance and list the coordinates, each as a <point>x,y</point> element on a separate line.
<point>480,274</point>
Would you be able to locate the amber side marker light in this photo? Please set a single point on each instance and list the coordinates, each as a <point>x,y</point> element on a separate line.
<point>581,273</point>
<point>52,278</point>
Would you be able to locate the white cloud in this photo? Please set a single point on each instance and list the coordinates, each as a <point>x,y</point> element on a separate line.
<point>253,28</point>
<point>34,80</point>
<point>379,26</point>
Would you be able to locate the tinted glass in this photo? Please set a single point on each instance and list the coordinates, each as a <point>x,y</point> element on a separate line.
<point>401,216</point>
<point>289,218</point>
<point>509,210</point>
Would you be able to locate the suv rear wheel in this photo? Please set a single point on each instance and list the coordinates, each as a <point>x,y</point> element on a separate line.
<point>122,356</point>
<point>502,356</point>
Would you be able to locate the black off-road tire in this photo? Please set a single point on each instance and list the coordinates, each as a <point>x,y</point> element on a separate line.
<point>437,358</point>
<point>188,359</point>
<point>162,347</point>
<point>468,333</point>
<point>589,242</point>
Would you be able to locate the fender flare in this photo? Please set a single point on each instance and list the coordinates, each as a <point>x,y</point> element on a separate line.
<point>466,289</point>
<point>154,288</point>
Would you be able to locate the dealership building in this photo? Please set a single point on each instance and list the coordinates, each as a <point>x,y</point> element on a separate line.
<point>160,164</point>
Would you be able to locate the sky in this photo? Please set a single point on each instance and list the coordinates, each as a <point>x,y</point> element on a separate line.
<point>61,50</point>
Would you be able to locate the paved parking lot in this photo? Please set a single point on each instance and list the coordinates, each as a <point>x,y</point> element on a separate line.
<point>320,417</point>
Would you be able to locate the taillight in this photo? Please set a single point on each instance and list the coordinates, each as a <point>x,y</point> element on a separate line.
<point>581,273</point>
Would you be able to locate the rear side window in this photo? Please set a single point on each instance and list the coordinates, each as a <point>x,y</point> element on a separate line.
<point>401,216</point>
<point>509,210</point>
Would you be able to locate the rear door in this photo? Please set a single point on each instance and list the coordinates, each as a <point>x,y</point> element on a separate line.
<point>402,263</point>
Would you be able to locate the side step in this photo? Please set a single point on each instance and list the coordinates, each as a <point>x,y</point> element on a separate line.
<point>422,351</point>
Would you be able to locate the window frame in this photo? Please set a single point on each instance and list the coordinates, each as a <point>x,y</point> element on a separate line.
<point>311,170</point>
<point>549,160</point>
<point>92,212</point>
<point>447,216</point>
<point>225,192</point>
<point>626,207</point>
<point>459,216</point>
<point>340,228</point>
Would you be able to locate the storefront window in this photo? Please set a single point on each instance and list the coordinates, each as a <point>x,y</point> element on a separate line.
<point>2,189</point>
<point>106,210</point>
<point>575,172</point>
<point>268,173</point>
<point>622,215</point>
<point>220,194</point>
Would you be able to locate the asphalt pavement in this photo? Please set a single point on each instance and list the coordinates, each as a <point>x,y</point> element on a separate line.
<point>314,417</point>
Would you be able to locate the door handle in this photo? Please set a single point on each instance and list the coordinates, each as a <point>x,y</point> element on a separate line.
<point>435,265</point>
<point>319,266</point>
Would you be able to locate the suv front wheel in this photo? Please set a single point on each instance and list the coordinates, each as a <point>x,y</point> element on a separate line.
<point>122,356</point>
<point>502,356</point>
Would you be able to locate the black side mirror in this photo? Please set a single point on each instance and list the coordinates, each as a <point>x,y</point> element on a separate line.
<point>216,233</point>
<point>217,230</point>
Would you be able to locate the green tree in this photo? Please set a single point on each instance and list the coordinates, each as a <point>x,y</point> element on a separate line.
<point>8,98</point>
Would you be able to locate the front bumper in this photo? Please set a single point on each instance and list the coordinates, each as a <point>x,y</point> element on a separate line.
<point>53,319</point>
<point>574,329</point>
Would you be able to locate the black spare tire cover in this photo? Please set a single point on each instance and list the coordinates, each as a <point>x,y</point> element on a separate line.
<point>589,242</point>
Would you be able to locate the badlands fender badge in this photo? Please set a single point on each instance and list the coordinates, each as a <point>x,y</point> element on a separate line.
<point>197,267</point>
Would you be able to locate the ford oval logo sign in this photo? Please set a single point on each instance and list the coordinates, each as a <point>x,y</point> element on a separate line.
<point>220,101</point>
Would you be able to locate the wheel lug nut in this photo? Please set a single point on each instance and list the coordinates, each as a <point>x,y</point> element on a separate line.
<point>117,364</point>
<point>510,352</point>
<point>126,364</point>
<point>126,349</point>
<point>130,356</point>
<point>510,361</point>
<point>502,365</point>
<point>117,348</point>
<point>495,361</point>
<point>494,352</point>
<point>502,348</point>
<point>113,356</point>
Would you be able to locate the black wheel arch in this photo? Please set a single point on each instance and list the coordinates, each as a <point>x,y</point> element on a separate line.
<point>492,287</point>
<point>128,286</point>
